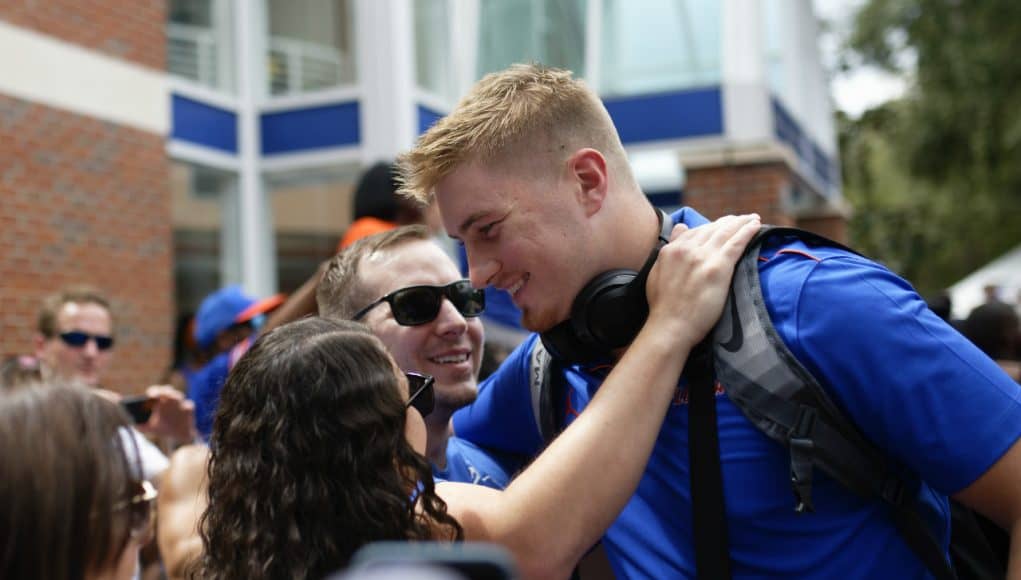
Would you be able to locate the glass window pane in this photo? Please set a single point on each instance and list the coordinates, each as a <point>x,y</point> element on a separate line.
<point>550,32</point>
<point>311,211</point>
<point>774,28</point>
<point>200,42</point>
<point>659,45</point>
<point>206,235</point>
<point>310,45</point>
<point>432,47</point>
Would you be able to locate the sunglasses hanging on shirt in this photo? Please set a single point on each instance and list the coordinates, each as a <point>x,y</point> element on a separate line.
<point>422,396</point>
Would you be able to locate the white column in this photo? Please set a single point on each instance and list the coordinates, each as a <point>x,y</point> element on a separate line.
<point>747,116</point>
<point>794,54</point>
<point>258,244</point>
<point>594,44</point>
<point>464,45</point>
<point>386,73</point>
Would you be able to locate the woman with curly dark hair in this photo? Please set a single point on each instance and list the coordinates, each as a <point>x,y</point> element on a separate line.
<point>318,442</point>
<point>309,459</point>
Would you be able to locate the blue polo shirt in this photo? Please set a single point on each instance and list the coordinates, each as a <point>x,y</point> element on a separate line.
<point>469,463</point>
<point>914,386</point>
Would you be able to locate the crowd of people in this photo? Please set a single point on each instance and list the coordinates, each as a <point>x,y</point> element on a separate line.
<point>353,412</point>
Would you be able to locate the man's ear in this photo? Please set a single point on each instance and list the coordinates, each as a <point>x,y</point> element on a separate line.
<point>39,341</point>
<point>587,167</point>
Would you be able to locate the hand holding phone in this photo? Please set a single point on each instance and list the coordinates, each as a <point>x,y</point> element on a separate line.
<point>139,407</point>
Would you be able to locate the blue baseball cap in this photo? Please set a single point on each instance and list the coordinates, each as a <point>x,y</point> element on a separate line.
<point>218,312</point>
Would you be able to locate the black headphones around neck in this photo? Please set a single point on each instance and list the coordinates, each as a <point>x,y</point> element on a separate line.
<point>608,312</point>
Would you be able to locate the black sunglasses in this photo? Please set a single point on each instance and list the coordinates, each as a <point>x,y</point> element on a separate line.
<point>416,305</point>
<point>422,396</point>
<point>78,339</point>
<point>141,506</point>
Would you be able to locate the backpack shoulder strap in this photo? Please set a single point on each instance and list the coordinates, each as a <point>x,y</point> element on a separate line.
<point>784,401</point>
<point>545,381</point>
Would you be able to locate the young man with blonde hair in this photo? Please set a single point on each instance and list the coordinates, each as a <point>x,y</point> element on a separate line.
<point>530,175</point>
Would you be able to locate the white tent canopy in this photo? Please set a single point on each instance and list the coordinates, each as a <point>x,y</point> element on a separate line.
<point>1003,272</point>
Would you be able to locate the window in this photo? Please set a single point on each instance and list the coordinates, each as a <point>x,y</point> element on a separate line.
<point>774,38</point>
<point>311,210</point>
<point>200,41</point>
<point>432,48</point>
<point>206,232</point>
<point>551,32</point>
<point>310,45</point>
<point>659,45</point>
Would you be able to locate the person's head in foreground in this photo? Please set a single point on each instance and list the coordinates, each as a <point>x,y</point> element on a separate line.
<point>316,450</point>
<point>71,506</point>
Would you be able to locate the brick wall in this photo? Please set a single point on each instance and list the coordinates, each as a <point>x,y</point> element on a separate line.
<point>130,30</point>
<point>83,200</point>
<point>718,191</point>
<point>833,227</point>
<point>757,187</point>
<point>88,201</point>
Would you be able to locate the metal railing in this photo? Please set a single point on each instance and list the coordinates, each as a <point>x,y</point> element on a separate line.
<point>192,53</point>
<point>297,66</point>
<point>294,66</point>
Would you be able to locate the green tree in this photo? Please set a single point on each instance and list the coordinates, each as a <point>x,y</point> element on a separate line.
<point>935,177</point>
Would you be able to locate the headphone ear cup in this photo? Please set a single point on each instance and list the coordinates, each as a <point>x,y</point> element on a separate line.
<point>604,310</point>
<point>607,313</point>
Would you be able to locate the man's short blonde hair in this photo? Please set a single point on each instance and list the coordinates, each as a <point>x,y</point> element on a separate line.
<point>54,303</point>
<point>527,109</point>
<point>342,291</point>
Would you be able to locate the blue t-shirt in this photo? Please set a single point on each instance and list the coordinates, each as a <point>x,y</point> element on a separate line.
<point>469,463</point>
<point>204,389</point>
<point>914,386</point>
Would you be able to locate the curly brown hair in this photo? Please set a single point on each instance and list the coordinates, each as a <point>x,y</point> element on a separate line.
<point>308,458</point>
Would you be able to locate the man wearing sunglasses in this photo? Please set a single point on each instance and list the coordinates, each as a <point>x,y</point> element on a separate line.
<point>75,342</point>
<point>403,286</point>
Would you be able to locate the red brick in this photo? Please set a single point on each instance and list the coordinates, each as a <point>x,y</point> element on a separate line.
<point>131,30</point>
<point>65,221</point>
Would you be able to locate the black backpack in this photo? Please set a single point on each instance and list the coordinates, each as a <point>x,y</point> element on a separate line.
<point>784,401</point>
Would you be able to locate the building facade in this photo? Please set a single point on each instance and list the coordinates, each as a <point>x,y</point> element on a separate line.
<point>262,114</point>
<point>84,189</point>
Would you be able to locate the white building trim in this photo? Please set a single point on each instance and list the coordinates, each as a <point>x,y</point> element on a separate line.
<point>257,252</point>
<point>385,51</point>
<point>331,96</point>
<point>747,115</point>
<point>192,153</point>
<point>43,69</point>
<point>195,91</point>
<point>312,159</point>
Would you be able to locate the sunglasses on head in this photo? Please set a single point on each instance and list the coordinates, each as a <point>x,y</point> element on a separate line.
<point>422,396</point>
<point>140,506</point>
<point>416,305</point>
<point>78,339</point>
